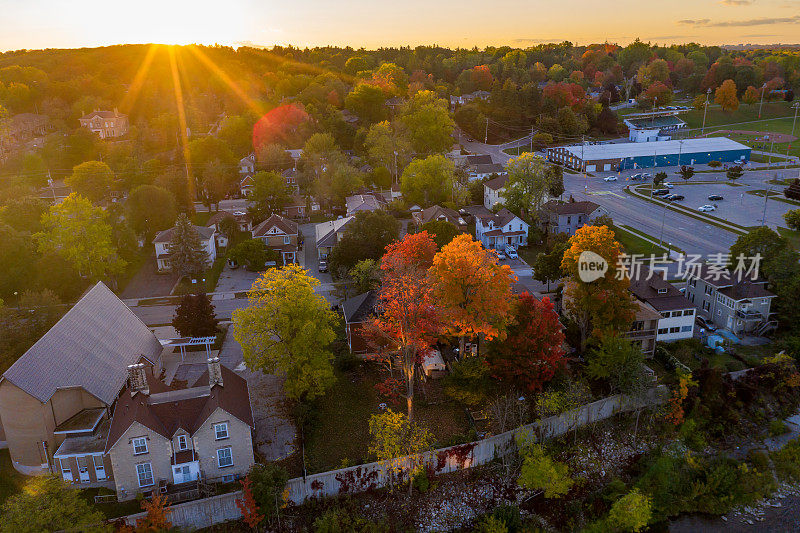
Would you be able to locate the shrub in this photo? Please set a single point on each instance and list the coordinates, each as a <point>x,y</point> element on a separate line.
<point>714,164</point>
<point>540,472</point>
<point>509,515</point>
<point>341,520</point>
<point>631,512</point>
<point>759,459</point>
<point>777,427</point>
<point>787,461</point>
<point>421,481</point>
<point>491,524</point>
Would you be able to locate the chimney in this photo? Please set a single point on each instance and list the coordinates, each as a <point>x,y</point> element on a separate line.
<point>214,372</point>
<point>137,380</point>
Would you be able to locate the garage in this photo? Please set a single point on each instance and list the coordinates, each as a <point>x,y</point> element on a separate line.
<point>591,168</point>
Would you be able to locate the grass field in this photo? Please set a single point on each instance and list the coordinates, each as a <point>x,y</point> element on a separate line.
<point>10,480</point>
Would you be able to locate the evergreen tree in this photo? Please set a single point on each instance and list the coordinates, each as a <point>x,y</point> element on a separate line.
<point>194,316</point>
<point>187,255</point>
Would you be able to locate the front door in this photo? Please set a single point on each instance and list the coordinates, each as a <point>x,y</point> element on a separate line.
<point>66,471</point>
<point>186,472</point>
<point>83,469</point>
<point>99,468</point>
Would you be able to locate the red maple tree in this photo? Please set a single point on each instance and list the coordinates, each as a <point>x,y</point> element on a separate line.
<point>534,348</point>
<point>248,506</point>
<point>406,324</point>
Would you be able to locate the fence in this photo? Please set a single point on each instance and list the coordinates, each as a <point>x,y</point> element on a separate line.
<point>352,480</point>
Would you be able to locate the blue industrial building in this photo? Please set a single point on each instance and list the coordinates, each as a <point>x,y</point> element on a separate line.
<point>625,156</point>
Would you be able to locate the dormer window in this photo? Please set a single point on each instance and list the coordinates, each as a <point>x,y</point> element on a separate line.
<point>183,442</point>
<point>662,291</point>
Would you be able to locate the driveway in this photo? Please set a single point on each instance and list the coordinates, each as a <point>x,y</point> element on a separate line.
<point>275,433</point>
<point>148,283</point>
<point>235,280</point>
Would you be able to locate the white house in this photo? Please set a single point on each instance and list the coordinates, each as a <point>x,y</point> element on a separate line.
<point>677,312</point>
<point>493,191</point>
<point>163,239</point>
<point>500,231</point>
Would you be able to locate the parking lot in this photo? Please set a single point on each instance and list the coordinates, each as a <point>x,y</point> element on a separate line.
<point>737,206</point>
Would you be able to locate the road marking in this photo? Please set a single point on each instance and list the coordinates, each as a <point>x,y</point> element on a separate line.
<point>605,193</point>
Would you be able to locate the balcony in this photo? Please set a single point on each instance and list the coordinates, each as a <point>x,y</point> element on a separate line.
<point>749,315</point>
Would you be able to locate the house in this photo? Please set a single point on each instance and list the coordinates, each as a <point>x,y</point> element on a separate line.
<point>737,303</point>
<point>170,435</point>
<point>438,212</point>
<point>246,185</point>
<point>467,98</point>
<point>677,313</point>
<point>164,238</point>
<point>566,217</point>
<point>106,124</point>
<point>328,234</point>
<point>357,311</point>
<point>290,175</point>
<point>297,208</point>
<point>241,218</point>
<point>364,202</point>
<point>247,165</point>
<point>482,166</point>
<point>493,191</point>
<point>505,229</point>
<point>281,235</point>
<point>56,400</point>
<point>658,126</point>
<point>644,329</point>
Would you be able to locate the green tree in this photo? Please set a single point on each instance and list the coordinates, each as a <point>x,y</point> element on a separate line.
<point>734,173</point>
<point>24,214</point>
<point>365,275</point>
<point>469,382</point>
<point>267,483</point>
<point>273,157</point>
<point>47,504</point>
<point>237,132</point>
<point>762,241</point>
<point>427,120</point>
<point>792,219</point>
<point>547,266</point>
<point>620,362</point>
<point>16,257</point>
<point>428,181</point>
<point>150,209</point>
<point>187,257</point>
<point>540,472</point>
<point>78,231</point>
<point>253,254</point>
<point>268,196</point>
<point>91,180</point>
<point>397,441</point>
<point>195,317</point>
<point>632,512</point>
<point>659,178</point>
<point>529,183</point>
<point>365,237</point>
<point>387,147</point>
<point>367,101</point>
<point>442,231</point>
<point>287,328</point>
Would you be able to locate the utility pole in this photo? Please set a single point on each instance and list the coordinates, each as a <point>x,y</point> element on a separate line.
<point>796,106</point>
<point>680,150</point>
<point>764,213</point>
<point>762,99</point>
<point>771,145</point>
<point>486,134</point>
<point>705,110</point>
<point>583,168</point>
<point>663,217</point>
<point>532,134</point>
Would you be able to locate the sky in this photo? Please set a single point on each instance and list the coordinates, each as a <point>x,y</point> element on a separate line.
<point>371,24</point>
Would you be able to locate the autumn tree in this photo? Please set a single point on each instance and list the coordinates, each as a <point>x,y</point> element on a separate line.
<point>734,173</point>
<point>540,472</point>
<point>751,95</point>
<point>407,319</point>
<point>150,209</point>
<point>472,290</point>
<point>91,180</point>
<point>187,257</point>
<point>156,511</point>
<point>428,181</point>
<point>288,328</point>
<point>78,231</point>
<point>396,442</point>
<point>248,507</point>
<point>533,350</point>
<point>725,96</point>
<point>529,183</point>
<point>604,304</point>
<point>268,196</point>
<point>195,317</point>
<point>686,172</point>
<point>632,512</point>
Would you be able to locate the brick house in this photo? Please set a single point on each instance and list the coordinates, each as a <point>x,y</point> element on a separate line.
<point>281,235</point>
<point>106,124</point>
<point>162,436</point>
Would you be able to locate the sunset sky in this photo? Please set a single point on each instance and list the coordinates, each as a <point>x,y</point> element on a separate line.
<point>374,23</point>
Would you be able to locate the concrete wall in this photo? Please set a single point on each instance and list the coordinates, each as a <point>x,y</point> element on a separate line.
<point>217,509</point>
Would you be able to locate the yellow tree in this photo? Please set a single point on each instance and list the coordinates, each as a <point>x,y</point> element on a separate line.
<point>471,290</point>
<point>600,305</point>
<point>725,96</point>
<point>750,96</point>
<point>397,442</point>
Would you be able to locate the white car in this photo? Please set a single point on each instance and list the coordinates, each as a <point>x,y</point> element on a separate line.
<point>500,255</point>
<point>668,185</point>
<point>610,178</point>
<point>512,253</point>
<point>706,208</point>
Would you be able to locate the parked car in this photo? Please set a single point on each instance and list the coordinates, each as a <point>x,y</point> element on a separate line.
<point>705,324</point>
<point>715,197</point>
<point>660,192</point>
<point>646,176</point>
<point>500,254</point>
<point>512,253</point>
<point>610,178</point>
<point>668,185</point>
<point>706,208</point>
<point>635,177</point>
<point>323,265</point>
<point>674,197</point>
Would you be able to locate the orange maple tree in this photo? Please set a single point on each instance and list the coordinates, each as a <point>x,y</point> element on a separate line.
<point>603,305</point>
<point>155,519</point>
<point>406,322</point>
<point>248,506</point>
<point>472,290</point>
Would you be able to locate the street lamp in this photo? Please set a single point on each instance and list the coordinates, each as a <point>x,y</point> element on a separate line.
<point>705,110</point>
<point>796,106</point>
<point>762,99</point>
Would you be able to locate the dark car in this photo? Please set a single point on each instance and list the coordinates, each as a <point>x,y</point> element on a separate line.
<point>323,265</point>
<point>715,197</point>
<point>660,192</point>
<point>635,177</point>
<point>675,197</point>
<point>704,323</point>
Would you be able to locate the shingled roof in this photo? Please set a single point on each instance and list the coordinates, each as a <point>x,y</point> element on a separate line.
<point>166,235</point>
<point>89,348</point>
<point>358,308</point>
<point>570,208</point>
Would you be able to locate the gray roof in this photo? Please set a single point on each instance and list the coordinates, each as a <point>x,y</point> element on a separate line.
<point>89,348</point>
<point>358,308</point>
<point>622,150</point>
<point>325,232</point>
<point>166,235</point>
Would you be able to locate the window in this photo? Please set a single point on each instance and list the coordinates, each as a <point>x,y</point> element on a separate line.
<point>719,312</point>
<point>706,306</point>
<point>224,457</point>
<point>139,445</point>
<point>221,431</point>
<point>663,331</point>
<point>688,312</point>
<point>145,474</point>
<point>665,314</point>
<point>183,442</point>
<point>286,239</point>
<point>685,329</point>
<point>674,329</point>
<point>709,289</point>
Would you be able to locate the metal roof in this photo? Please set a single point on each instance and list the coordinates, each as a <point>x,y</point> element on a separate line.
<point>89,348</point>
<point>647,149</point>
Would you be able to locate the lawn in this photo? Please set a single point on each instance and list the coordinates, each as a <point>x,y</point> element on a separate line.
<point>793,236</point>
<point>10,480</point>
<point>633,243</point>
<point>201,217</point>
<point>211,276</point>
<point>529,253</point>
<point>340,436</point>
